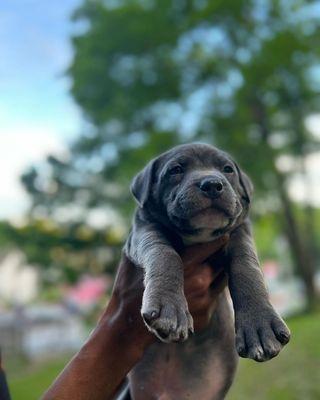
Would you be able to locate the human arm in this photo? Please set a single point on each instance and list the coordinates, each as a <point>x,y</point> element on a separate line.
<point>120,337</point>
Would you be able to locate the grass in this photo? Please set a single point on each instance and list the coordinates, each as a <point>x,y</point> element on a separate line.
<point>293,375</point>
<point>30,384</point>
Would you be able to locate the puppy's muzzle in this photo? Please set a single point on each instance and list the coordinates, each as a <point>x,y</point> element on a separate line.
<point>212,186</point>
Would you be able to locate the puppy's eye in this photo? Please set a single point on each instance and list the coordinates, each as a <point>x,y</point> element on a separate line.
<point>228,169</point>
<point>176,170</point>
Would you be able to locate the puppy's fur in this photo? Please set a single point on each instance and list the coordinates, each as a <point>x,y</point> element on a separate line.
<point>193,194</point>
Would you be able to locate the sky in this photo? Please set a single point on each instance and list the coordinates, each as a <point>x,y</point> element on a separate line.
<point>37,115</point>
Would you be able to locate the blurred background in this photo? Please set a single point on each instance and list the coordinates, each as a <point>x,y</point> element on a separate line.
<point>90,90</point>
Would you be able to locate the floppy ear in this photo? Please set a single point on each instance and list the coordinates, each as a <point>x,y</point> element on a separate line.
<point>246,184</point>
<point>141,185</point>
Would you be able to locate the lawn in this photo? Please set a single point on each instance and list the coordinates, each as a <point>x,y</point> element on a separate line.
<point>32,383</point>
<point>294,375</point>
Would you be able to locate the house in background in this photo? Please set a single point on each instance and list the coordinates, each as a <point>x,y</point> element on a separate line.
<point>19,283</point>
<point>27,328</point>
<point>40,331</point>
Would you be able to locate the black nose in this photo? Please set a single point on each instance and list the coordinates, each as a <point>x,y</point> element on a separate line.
<point>212,187</point>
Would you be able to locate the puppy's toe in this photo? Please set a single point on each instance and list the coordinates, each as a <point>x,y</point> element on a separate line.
<point>241,343</point>
<point>256,353</point>
<point>164,328</point>
<point>185,325</point>
<point>271,349</point>
<point>280,330</point>
<point>253,346</point>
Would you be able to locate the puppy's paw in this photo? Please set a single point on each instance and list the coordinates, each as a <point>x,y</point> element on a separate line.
<point>166,315</point>
<point>260,336</point>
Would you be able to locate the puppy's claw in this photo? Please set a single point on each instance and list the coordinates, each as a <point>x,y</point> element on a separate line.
<point>150,316</point>
<point>257,354</point>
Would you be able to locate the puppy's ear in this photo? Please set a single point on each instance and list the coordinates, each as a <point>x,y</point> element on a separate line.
<point>246,184</point>
<point>141,185</point>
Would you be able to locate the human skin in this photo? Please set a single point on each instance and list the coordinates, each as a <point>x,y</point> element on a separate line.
<point>120,338</point>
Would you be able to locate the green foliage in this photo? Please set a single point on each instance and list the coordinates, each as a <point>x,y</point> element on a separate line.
<point>148,75</point>
<point>63,251</point>
<point>151,74</point>
<point>266,233</point>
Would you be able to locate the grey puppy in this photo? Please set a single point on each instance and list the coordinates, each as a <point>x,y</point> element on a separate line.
<point>191,194</point>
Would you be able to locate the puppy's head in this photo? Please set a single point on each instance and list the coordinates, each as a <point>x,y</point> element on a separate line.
<point>196,189</point>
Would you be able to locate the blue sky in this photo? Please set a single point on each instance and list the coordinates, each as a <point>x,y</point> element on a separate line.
<point>37,115</point>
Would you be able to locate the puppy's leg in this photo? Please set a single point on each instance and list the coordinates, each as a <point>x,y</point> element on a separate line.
<point>260,331</point>
<point>164,306</point>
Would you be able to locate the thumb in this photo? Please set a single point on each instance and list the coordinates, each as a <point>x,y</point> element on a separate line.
<point>198,253</point>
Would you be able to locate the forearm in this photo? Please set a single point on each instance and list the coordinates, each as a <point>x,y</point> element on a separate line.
<point>98,369</point>
<point>246,283</point>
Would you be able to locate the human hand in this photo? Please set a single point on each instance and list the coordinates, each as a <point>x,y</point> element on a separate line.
<point>203,283</point>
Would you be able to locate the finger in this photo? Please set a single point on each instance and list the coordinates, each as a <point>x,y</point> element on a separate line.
<point>218,284</point>
<point>199,281</point>
<point>127,274</point>
<point>125,266</point>
<point>199,304</point>
<point>197,254</point>
<point>204,279</point>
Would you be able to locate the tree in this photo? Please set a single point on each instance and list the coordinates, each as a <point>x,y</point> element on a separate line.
<point>151,74</point>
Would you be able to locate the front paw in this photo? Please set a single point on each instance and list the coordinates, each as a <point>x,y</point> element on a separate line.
<point>260,335</point>
<point>166,314</point>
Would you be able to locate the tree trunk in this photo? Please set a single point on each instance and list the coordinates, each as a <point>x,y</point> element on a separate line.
<point>301,148</point>
<point>302,258</point>
<point>299,247</point>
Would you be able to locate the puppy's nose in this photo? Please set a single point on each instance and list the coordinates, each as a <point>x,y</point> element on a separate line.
<point>212,187</point>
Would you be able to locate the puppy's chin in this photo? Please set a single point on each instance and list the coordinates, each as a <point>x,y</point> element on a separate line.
<point>204,227</point>
<point>207,226</point>
<point>210,219</point>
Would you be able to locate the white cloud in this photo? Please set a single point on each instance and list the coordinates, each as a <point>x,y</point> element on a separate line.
<point>21,146</point>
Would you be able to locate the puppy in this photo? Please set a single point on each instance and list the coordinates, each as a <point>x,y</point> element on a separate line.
<point>191,194</point>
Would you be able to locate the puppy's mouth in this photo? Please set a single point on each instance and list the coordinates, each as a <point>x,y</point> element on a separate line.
<point>221,231</point>
<point>180,213</point>
<point>186,222</point>
<point>185,227</point>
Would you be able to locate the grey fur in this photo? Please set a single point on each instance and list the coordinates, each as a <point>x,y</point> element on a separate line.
<point>191,194</point>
